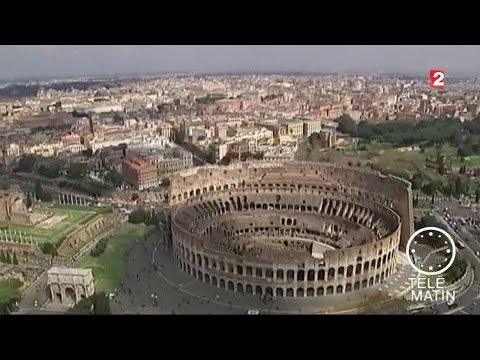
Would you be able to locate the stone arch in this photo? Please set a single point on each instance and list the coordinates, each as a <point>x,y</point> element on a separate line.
<point>339,289</point>
<point>239,270</point>
<point>222,283</point>
<point>311,275</point>
<point>341,271</point>
<point>349,270</point>
<point>280,274</point>
<point>377,279</point>
<point>300,275</point>
<point>279,292</point>
<point>289,292</point>
<point>214,281</point>
<point>366,266</point>
<point>310,292</point>
<point>370,282</point>
<point>258,290</point>
<point>320,291</point>
<point>357,285</point>
<point>348,287</point>
<point>70,294</point>
<point>248,289</point>
<point>269,273</point>
<point>230,285</point>
<point>330,290</point>
<point>207,278</point>
<point>321,275</point>
<point>364,283</point>
<point>240,288</point>
<point>300,292</point>
<point>331,273</point>
<point>269,291</point>
<point>358,269</point>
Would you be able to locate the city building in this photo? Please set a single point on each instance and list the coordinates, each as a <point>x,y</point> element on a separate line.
<point>139,173</point>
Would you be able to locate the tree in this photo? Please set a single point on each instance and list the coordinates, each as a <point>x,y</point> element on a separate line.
<point>114,178</point>
<point>3,258</point>
<point>48,248</point>
<point>137,216</point>
<point>40,193</point>
<point>347,125</point>
<point>477,195</point>
<point>8,259</point>
<point>28,201</point>
<point>76,170</point>
<point>166,182</point>
<point>27,163</point>
<point>101,304</point>
<point>15,260</point>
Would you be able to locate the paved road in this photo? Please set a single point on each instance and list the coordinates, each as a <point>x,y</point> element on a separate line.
<point>472,295</point>
<point>36,291</point>
<point>178,293</point>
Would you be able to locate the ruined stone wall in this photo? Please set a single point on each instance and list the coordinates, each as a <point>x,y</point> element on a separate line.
<point>25,253</point>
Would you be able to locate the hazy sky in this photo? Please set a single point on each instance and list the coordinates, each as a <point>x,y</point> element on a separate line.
<point>51,60</point>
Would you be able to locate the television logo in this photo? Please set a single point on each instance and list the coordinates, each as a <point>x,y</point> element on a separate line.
<point>437,79</point>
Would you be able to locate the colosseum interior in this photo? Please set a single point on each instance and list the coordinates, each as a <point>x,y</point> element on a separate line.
<point>289,230</point>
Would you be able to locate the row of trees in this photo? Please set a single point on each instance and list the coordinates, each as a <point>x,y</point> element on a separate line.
<point>100,247</point>
<point>97,304</point>
<point>91,187</point>
<point>8,305</point>
<point>227,159</point>
<point>147,217</point>
<point>6,258</point>
<point>464,135</point>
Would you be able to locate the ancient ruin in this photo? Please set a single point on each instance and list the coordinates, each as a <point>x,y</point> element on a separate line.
<point>12,207</point>
<point>67,286</point>
<point>289,229</point>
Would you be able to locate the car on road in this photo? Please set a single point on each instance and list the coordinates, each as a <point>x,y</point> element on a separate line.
<point>477,253</point>
<point>35,303</point>
<point>253,312</point>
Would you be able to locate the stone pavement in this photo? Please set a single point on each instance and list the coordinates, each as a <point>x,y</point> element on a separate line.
<point>178,293</point>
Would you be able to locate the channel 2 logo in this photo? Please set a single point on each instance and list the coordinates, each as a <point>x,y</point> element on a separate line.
<point>437,79</point>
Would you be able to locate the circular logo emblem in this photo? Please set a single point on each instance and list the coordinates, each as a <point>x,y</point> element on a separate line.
<point>431,251</point>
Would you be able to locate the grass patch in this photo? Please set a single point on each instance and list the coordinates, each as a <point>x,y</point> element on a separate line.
<point>109,268</point>
<point>9,290</point>
<point>76,217</point>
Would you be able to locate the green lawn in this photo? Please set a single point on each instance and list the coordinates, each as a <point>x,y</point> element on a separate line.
<point>9,289</point>
<point>109,268</point>
<point>76,216</point>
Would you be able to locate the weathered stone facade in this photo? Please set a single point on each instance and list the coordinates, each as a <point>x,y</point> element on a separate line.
<point>67,286</point>
<point>290,229</point>
<point>12,207</point>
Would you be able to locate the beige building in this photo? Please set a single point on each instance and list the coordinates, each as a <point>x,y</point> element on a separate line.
<point>311,126</point>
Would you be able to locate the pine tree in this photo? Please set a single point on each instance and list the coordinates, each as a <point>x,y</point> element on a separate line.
<point>15,260</point>
<point>28,201</point>
<point>8,258</point>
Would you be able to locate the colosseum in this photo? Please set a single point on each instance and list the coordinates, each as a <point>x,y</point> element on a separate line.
<point>289,229</point>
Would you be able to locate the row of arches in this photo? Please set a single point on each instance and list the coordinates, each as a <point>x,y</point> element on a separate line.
<point>284,187</point>
<point>299,291</point>
<point>289,275</point>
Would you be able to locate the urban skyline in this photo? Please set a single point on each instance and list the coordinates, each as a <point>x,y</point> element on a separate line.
<point>48,61</point>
